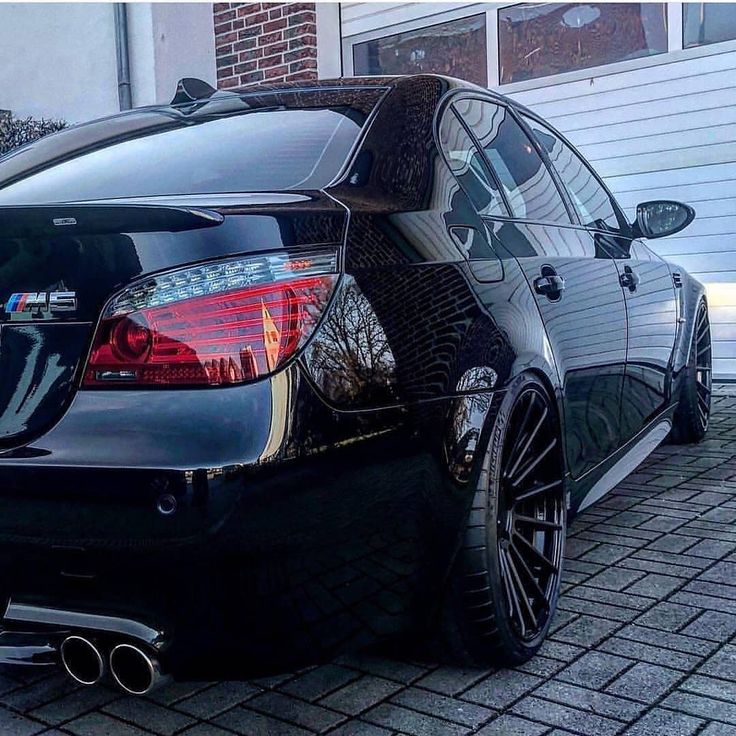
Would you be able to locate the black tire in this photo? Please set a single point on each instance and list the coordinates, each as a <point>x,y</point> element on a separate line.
<point>692,415</point>
<point>484,619</point>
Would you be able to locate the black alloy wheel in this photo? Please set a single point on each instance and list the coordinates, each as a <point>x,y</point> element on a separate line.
<point>692,416</point>
<point>531,512</point>
<point>504,588</point>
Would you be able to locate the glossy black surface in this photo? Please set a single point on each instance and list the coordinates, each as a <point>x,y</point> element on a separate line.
<point>319,509</point>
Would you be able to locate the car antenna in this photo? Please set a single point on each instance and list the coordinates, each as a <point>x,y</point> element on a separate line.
<point>191,89</point>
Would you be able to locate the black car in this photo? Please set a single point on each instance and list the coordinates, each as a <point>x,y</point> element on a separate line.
<point>290,372</point>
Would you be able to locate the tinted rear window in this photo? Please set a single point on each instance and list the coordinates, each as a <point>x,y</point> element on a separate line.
<point>167,152</point>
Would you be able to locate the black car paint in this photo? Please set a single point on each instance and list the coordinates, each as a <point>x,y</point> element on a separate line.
<point>319,509</point>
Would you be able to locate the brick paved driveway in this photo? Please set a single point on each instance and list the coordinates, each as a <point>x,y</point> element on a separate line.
<point>644,641</point>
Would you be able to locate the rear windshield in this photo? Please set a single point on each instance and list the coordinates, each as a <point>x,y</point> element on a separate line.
<point>167,152</point>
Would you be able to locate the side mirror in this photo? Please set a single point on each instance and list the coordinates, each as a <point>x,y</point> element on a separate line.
<point>661,217</point>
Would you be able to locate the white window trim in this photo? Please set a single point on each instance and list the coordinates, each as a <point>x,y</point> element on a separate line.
<point>675,51</point>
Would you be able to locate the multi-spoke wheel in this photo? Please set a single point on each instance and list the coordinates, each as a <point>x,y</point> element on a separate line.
<point>693,410</point>
<point>506,583</point>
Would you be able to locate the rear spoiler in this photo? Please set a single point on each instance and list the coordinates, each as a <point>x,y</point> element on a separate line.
<point>91,219</point>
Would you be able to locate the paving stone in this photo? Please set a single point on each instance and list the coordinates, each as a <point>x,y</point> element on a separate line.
<point>660,722</point>
<point>73,705</point>
<point>586,631</point>
<point>14,724</point>
<point>645,682</point>
<point>203,729</point>
<point>711,687</point>
<point>718,729</point>
<point>594,669</point>
<point>248,722</point>
<point>721,572</point>
<point>655,586</point>
<point>360,694</point>
<point>678,642</point>
<point>313,717</point>
<point>320,681</point>
<point>410,722</point>
<point>96,724</point>
<point>711,548</point>
<point>590,700</point>
<point>713,625</point>
<point>702,707</point>
<point>509,725</point>
<point>451,680</point>
<point>502,688</point>
<point>615,578</point>
<point>668,616</point>
<point>722,664</point>
<point>360,728</point>
<point>650,653</point>
<point>563,716</point>
<point>148,715</point>
<point>450,709</point>
<point>217,699</point>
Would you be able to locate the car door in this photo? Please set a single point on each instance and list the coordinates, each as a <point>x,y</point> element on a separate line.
<point>644,278</point>
<point>575,283</point>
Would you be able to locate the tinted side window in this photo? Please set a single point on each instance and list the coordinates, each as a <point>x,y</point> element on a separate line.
<point>590,199</point>
<point>468,166</point>
<point>530,189</point>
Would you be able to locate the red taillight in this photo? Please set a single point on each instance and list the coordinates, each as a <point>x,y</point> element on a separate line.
<point>225,337</point>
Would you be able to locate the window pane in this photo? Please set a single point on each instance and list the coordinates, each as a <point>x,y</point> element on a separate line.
<point>589,198</point>
<point>175,153</point>
<point>468,166</point>
<point>529,187</point>
<point>457,48</point>
<point>708,23</point>
<point>539,40</point>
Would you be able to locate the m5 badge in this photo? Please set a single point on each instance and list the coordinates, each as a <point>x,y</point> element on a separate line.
<point>40,304</point>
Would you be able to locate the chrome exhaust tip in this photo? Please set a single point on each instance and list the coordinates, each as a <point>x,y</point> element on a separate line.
<point>135,671</point>
<point>82,660</point>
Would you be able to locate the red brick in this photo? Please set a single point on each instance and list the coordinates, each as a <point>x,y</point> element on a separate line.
<point>299,18</point>
<point>223,28</point>
<point>220,7</point>
<point>300,75</point>
<point>275,48</point>
<point>303,53</point>
<point>253,19</point>
<point>302,65</point>
<point>300,41</point>
<point>228,83</point>
<point>245,68</point>
<point>224,71</point>
<point>269,38</point>
<point>302,30</point>
<point>270,61</point>
<point>251,78</point>
<point>276,72</point>
<point>245,44</point>
<point>222,17</point>
<point>275,13</point>
<point>250,54</point>
<point>253,32</point>
<point>227,60</point>
<point>299,7</point>
<point>274,25</point>
<point>227,38</point>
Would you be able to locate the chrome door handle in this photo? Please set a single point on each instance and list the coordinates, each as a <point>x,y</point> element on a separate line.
<point>549,284</point>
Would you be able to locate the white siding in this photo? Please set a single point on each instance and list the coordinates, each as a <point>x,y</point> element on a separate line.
<point>664,127</point>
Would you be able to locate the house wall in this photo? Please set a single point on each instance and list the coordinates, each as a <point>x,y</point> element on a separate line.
<point>661,127</point>
<point>59,61</point>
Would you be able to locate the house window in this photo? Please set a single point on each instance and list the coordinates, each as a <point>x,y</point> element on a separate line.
<point>704,23</point>
<point>538,40</point>
<point>457,48</point>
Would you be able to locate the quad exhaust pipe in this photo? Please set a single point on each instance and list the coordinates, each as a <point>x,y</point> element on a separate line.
<point>135,670</point>
<point>82,660</point>
<point>126,647</point>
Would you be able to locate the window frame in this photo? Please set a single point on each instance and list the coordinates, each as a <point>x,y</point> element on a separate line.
<point>372,26</point>
<point>618,210</point>
<point>446,106</point>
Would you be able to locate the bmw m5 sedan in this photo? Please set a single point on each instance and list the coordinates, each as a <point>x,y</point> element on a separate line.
<point>290,372</point>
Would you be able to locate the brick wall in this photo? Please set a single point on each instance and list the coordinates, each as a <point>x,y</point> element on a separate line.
<point>264,42</point>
